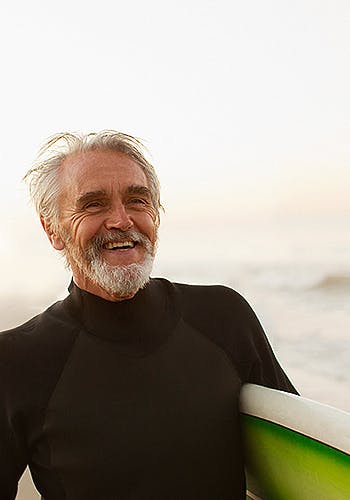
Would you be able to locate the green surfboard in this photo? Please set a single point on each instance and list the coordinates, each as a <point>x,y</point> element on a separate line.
<point>295,448</point>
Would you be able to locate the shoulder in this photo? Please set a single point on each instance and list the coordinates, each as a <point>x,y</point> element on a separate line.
<point>39,328</point>
<point>207,291</point>
<point>224,317</point>
<point>216,310</point>
<point>208,299</point>
<point>37,344</point>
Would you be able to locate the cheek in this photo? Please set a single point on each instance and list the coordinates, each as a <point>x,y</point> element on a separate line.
<point>83,228</point>
<point>152,230</point>
<point>147,225</point>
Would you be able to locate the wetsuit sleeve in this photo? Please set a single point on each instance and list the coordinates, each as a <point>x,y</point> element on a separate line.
<point>32,357</point>
<point>226,318</point>
<point>13,459</point>
<point>265,369</point>
<point>12,462</point>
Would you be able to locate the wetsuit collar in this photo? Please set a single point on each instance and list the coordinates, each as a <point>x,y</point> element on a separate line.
<point>139,323</point>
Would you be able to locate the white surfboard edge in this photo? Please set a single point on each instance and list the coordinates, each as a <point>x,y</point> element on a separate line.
<point>324,423</point>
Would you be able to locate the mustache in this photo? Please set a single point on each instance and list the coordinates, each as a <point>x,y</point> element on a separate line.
<point>98,241</point>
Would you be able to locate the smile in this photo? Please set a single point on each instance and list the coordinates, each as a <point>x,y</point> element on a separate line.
<point>119,245</point>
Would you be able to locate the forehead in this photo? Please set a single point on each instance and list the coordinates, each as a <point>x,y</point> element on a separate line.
<point>99,170</point>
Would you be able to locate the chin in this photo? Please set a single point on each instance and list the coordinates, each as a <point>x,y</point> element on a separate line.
<point>121,280</point>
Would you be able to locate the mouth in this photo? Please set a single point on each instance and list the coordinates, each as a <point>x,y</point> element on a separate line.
<point>120,245</point>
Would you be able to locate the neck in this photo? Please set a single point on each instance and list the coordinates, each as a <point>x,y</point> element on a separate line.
<point>87,285</point>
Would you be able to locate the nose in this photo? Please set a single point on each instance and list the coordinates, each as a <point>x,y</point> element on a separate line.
<point>118,218</point>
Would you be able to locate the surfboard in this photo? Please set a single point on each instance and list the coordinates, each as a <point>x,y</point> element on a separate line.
<point>295,448</point>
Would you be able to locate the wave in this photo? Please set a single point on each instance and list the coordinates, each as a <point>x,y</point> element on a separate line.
<point>333,282</point>
<point>303,278</point>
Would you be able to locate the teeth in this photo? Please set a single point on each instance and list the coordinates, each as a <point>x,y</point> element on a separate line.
<point>119,244</point>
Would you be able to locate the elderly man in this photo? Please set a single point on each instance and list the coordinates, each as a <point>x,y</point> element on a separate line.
<point>128,388</point>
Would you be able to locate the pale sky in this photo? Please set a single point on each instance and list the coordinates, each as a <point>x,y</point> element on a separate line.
<point>244,106</point>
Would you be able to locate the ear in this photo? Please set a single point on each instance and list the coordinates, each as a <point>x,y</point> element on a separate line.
<point>55,239</point>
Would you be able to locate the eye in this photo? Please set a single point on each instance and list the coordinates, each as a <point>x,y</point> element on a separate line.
<point>138,201</point>
<point>93,205</point>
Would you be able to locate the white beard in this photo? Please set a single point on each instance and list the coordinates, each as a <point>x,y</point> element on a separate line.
<point>122,280</point>
<point>119,280</point>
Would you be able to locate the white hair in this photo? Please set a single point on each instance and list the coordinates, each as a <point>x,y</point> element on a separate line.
<point>43,180</point>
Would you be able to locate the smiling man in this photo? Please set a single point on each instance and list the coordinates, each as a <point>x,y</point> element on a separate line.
<point>108,223</point>
<point>128,389</point>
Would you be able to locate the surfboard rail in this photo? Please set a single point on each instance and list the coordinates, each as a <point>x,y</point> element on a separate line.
<point>295,448</point>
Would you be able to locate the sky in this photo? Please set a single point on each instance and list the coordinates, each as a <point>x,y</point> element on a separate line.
<point>243,105</point>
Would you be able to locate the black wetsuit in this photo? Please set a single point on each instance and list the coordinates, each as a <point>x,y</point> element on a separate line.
<point>136,400</point>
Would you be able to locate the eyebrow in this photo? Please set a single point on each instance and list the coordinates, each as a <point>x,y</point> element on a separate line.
<point>90,195</point>
<point>98,194</point>
<point>141,190</point>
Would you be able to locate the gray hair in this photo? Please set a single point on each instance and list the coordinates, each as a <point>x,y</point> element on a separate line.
<point>43,176</point>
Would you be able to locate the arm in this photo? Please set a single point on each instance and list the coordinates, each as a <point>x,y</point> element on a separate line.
<point>265,370</point>
<point>12,455</point>
<point>12,463</point>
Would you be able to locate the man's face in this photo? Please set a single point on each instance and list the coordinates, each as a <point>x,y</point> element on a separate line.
<point>107,223</point>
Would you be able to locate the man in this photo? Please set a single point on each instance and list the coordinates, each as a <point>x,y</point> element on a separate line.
<point>128,388</point>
